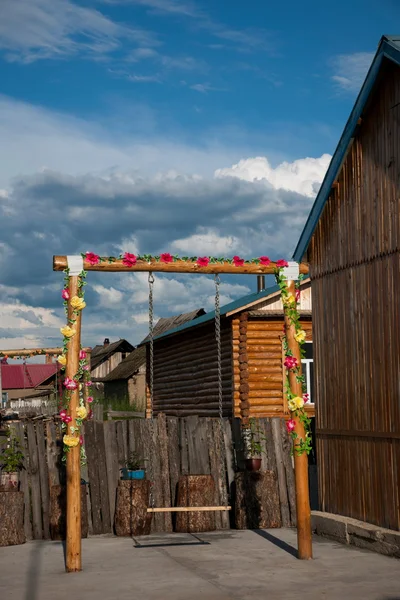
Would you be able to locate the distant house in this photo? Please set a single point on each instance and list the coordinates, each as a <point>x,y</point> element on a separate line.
<point>106,357</point>
<point>185,360</point>
<point>352,243</point>
<point>128,379</point>
<point>29,381</point>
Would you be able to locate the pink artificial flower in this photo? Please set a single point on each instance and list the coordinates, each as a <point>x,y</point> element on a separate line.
<point>67,419</point>
<point>70,384</point>
<point>92,258</point>
<point>203,261</point>
<point>86,368</point>
<point>166,257</point>
<point>129,260</point>
<point>81,440</point>
<point>290,362</point>
<point>237,261</point>
<point>88,383</point>
<point>306,398</point>
<point>65,294</point>
<point>89,399</point>
<point>290,425</point>
<point>63,414</point>
<point>282,263</point>
<point>82,355</point>
<point>265,261</point>
<point>297,294</point>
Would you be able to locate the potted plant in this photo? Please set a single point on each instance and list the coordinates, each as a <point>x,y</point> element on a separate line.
<point>134,467</point>
<point>253,438</point>
<point>11,463</point>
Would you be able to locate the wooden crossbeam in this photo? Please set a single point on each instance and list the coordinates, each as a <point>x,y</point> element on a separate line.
<point>188,509</point>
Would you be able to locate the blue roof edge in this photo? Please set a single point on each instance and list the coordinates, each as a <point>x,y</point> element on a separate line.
<point>386,49</point>
<point>235,304</point>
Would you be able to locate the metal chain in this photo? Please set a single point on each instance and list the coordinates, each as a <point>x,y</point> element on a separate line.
<point>220,396</point>
<point>151,381</point>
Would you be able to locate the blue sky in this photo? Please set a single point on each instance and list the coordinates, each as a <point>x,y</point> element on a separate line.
<point>165,124</point>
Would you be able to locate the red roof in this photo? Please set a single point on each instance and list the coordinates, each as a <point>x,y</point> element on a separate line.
<point>14,377</point>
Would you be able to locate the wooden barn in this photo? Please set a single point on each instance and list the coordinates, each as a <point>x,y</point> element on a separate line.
<point>105,357</point>
<point>185,360</point>
<point>128,379</point>
<point>352,243</point>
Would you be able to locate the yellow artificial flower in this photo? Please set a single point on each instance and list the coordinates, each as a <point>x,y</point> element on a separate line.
<point>81,412</point>
<point>70,440</point>
<point>295,403</point>
<point>290,299</point>
<point>300,336</point>
<point>77,303</point>
<point>62,359</point>
<point>68,331</point>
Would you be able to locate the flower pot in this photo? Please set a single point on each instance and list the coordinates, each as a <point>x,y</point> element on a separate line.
<point>253,464</point>
<point>9,482</point>
<point>128,474</point>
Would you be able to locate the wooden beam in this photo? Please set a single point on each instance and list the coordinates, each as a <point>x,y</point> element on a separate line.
<point>188,509</point>
<point>73,560</point>
<point>304,540</point>
<point>37,351</point>
<point>178,266</point>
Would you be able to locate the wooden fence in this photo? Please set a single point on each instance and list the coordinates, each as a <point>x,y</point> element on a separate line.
<point>172,446</point>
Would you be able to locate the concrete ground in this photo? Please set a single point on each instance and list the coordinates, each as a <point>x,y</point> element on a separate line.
<point>232,565</point>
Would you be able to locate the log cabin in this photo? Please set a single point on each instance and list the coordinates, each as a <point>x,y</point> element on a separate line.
<point>352,243</point>
<point>185,360</point>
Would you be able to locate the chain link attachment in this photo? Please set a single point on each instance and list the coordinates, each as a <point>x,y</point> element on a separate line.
<point>217,281</point>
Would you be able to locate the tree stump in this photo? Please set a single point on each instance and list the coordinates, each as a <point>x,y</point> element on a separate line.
<point>58,512</point>
<point>12,518</point>
<point>257,503</point>
<point>195,490</point>
<point>131,516</point>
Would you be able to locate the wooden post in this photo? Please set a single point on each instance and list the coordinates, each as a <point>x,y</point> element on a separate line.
<point>304,543</point>
<point>73,538</point>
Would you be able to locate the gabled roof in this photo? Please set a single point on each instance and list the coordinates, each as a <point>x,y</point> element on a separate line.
<point>101,353</point>
<point>15,377</point>
<point>132,363</point>
<point>389,48</point>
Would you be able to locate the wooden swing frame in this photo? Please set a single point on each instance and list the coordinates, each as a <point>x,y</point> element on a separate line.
<point>73,521</point>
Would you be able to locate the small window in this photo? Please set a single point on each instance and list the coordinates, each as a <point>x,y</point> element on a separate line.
<point>123,355</point>
<point>308,369</point>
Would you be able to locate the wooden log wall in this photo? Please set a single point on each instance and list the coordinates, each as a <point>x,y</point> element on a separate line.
<point>186,373</point>
<point>173,447</point>
<point>257,366</point>
<point>355,266</point>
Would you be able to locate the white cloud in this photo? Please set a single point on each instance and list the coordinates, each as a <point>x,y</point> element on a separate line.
<point>303,175</point>
<point>207,242</point>
<point>351,70</point>
<point>33,30</point>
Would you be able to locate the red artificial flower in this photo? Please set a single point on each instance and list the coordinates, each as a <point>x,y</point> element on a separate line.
<point>290,362</point>
<point>81,440</point>
<point>290,425</point>
<point>67,419</point>
<point>70,384</point>
<point>282,263</point>
<point>306,398</point>
<point>63,414</point>
<point>82,355</point>
<point>65,294</point>
<point>265,261</point>
<point>88,383</point>
<point>92,258</point>
<point>203,261</point>
<point>237,261</point>
<point>89,399</point>
<point>129,260</point>
<point>297,294</point>
<point>166,257</point>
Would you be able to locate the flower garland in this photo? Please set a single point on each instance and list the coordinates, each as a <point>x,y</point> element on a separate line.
<point>81,380</point>
<point>296,403</point>
<point>130,260</point>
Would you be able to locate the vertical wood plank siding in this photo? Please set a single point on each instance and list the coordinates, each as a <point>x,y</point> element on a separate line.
<point>186,373</point>
<point>355,270</point>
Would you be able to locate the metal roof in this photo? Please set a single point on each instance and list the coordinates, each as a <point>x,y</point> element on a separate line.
<point>228,308</point>
<point>389,48</point>
<point>14,377</point>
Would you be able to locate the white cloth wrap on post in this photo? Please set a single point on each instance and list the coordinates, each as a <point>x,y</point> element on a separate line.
<point>292,272</point>
<point>75,264</point>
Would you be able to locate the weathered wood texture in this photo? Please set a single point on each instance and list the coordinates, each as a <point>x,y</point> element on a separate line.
<point>257,500</point>
<point>12,518</point>
<point>186,374</point>
<point>195,490</point>
<point>58,511</point>
<point>178,446</point>
<point>355,266</point>
<point>131,517</point>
